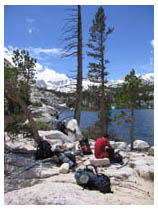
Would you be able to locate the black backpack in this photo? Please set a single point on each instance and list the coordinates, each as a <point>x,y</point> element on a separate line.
<point>66,157</point>
<point>85,147</point>
<point>91,180</point>
<point>71,157</point>
<point>114,157</point>
<point>43,150</point>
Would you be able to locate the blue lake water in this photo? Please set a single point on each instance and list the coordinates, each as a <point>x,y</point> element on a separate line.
<point>144,124</point>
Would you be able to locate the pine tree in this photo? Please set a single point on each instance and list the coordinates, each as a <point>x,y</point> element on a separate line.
<point>128,97</point>
<point>73,36</point>
<point>18,82</point>
<point>97,70</point>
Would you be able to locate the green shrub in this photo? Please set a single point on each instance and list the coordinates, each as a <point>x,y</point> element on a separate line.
<point>37,104</point>
<point>95,132</point>
<point>44,126</point>
<point>132,165</point>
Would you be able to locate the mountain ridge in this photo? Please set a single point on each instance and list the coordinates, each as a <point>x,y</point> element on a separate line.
<point>52,80</point>
<point>69,85</point>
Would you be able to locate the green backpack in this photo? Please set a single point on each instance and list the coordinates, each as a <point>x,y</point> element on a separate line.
<point>88,179</point>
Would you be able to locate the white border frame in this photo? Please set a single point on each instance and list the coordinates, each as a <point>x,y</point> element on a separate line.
<point>82,2</point>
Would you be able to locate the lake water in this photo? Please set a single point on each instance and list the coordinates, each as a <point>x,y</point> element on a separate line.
<point>144,124</point>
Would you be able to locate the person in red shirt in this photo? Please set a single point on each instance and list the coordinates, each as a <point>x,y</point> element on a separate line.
<point>100,147</point>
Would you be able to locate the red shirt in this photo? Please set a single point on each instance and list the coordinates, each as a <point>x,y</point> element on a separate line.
<point>100,150</point>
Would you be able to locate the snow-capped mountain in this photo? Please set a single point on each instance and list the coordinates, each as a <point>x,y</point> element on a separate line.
<point>51,80</point>
<point>69,85</point>
<point>7,63</point>
<point>148,77</point>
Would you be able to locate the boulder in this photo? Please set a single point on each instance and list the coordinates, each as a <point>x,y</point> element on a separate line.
<point>142,164</point>
<point>54,134</point>
<point>64,168</point>
<point>69,146</point>
<point>143,171</point>
<point>143,160</point>
<point>72,124</point>
<point>57,193</point>
<point>151,151</point>
<point>62,192</point>
<point>113,144</point>
<point>141,145</point>
<point>41,172</point>
<point>14,164</point>
<point>21,145</point>
<point>127,172</point>
<point>123,173</point>
<point>100,162</point>
<point>121,145</point>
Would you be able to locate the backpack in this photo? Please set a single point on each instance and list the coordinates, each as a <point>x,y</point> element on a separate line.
<point>114,157</point>
<point>117,158</point>
<point>85,147</point>
<point>110,153</point>
<point>67,158</point>
<point>43,150</point>
<point>88,179</point>
<point>71,157</point>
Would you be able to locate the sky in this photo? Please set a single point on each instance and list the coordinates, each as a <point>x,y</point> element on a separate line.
<point>38,29</point>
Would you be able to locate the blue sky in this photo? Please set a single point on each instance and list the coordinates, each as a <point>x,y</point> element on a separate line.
<point>39,30</point>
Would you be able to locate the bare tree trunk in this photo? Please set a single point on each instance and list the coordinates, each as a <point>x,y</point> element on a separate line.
<point>132,128</point>
<point>103,114</point>
<point>103,111</point>
<point>79,69</point>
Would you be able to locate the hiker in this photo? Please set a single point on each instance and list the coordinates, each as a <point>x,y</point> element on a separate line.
<point>100,147</point>
<point>103,149</point>
<point>60,125</point>
<point>56,122</point>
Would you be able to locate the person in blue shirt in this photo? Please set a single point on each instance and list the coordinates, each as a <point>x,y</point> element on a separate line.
<point>61,126</point>
<point>57,123</point>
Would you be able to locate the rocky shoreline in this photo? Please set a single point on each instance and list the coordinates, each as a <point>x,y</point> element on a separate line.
<point>44,183</point>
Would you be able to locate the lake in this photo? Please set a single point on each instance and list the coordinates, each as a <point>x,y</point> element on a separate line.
<point>144,124</point>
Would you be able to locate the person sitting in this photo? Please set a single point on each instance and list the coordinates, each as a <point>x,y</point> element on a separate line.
<point>100,151</point>
<point>60,125</point>
<point>56,122</point>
